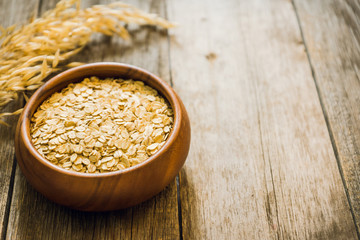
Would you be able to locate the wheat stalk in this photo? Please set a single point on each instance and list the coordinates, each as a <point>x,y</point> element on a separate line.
<point>32,52</point>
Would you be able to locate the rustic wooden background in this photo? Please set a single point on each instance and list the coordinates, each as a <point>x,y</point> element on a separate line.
<point>272,88</point>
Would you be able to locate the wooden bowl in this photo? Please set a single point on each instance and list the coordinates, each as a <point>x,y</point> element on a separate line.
<point>103,191</point>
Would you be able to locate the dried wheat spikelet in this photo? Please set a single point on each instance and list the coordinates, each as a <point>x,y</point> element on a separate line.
<point>33,51</point>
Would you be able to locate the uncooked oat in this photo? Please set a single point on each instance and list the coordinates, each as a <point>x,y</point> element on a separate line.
<point>98,126</point>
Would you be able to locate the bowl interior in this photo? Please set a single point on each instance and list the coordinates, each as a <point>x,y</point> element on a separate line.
<point>101,70</point>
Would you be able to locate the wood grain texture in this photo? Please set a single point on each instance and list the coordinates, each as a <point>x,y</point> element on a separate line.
<point>11,12</point>
<point>332,34</point>
<point>261,164</point>
<point>34,217</point>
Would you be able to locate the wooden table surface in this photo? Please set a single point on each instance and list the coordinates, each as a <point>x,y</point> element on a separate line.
<point>272,88</point>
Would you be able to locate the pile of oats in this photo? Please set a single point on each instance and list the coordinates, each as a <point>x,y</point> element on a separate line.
<point>98,126</point>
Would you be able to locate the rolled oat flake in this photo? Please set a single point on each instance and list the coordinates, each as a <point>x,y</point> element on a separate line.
<point>98,126</point>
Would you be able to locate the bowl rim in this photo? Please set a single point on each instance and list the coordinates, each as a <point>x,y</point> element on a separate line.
<point>171,98</point>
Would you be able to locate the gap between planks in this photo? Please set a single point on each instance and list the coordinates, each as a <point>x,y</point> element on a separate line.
<point>326,117</point>
<point>177,179</point>
<point>8,201</point>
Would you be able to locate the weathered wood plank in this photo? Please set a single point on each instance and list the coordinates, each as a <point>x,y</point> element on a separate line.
<point>11,12</point>
<point>34,217</point>
<point>332,34</point>
<point>261,164</point>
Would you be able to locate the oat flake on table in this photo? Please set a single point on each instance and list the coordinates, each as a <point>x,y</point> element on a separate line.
<point>101,125</point>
